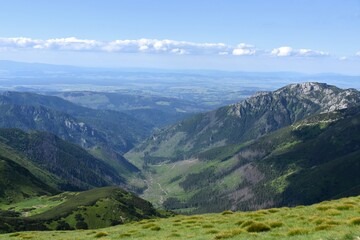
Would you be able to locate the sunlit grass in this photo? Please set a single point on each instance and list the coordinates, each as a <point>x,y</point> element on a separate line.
<point>329,220</point>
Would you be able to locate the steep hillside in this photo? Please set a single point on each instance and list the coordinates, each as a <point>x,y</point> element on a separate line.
<point>75,167</point>
<point>84,126</point>
<point>43,119</point>
<point>328,220</point>
<point>311,160</point>
<point>18,183</point>
<point>96,208</point>
<point>244,121</point>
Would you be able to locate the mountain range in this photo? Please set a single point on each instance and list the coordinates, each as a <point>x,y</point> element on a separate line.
<point>297,145</point>
<point>251,154</point>
<point>83,126</point>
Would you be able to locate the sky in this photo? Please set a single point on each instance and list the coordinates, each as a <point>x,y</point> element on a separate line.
<point>310,36</point>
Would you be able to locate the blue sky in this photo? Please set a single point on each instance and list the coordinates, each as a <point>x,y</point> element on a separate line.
<point>236,35</point>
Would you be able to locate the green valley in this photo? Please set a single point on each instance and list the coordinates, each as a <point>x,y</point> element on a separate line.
<point>293,147</point>
<point>244,172</point>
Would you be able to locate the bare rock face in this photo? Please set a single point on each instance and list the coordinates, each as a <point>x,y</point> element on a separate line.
<point>311,96</point>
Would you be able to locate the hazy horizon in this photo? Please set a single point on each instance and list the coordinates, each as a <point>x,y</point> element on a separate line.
<point>251,36</point>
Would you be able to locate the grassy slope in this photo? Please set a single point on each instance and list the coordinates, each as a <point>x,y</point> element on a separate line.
<point>17,183</point>
<point>287,167</point>
<point>22,160</point>
<point>338,219</point>
<point>62,159</point>
<point>96,208</point>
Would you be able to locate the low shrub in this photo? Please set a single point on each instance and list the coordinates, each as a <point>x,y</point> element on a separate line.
<point>156,228</point>
<point>355,221</point>
<point>149,225</point>
<point>14,234</point>
<point>273,210</point>
<point>174,235</point>
<point>190,221</point>
<point>227,212</point>
<point>344,207</point>
<point>124,235</point>
<point>258,227</point>
<point>101,234</point>
<point>208,226</point>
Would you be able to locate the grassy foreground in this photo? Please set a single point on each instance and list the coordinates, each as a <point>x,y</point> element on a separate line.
<point>338,219</point>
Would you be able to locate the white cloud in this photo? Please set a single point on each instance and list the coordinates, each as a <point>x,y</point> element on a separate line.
<point>178,51</point>
<point>137,45</point>
<point>244,50</point>
<point>282,51</point>
<point>311,53</point>
<point>153,46</point>
<point>52,44</point>
<point>358,54</point>
<point>343,58</point>
<point>303,52</point>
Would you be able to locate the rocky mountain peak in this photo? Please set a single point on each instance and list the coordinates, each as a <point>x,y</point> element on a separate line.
<point>317,96</point>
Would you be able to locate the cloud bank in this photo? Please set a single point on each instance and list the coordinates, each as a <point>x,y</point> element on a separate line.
<point>152,46</point>
<point>303,52</point>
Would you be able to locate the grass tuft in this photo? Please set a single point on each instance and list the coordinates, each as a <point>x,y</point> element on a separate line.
<point>332,212</point>
<point>298,231</point>
<point>355,221</point>
<point>344,207</point>
<point>275,224</point>
<point>227,212</point>
<point>174,235</point>
<point>156,228</point>
<point>258,227</point>
<point>247,223</point>
<point>322,207</point>
<point>14,234</point>
<point>273,210</point>
<point>239,222</point>
<point>208,226</point>
<point>124,235</point>
<point>149,225</point>
<point>229,234</point>
<point>101,234</point>
<point>323,227</point>
<point>212,231</point>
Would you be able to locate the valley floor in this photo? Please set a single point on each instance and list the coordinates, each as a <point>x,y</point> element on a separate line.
<point>338,219</point>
